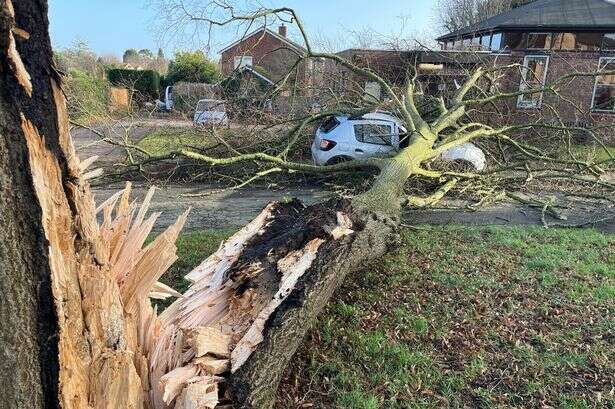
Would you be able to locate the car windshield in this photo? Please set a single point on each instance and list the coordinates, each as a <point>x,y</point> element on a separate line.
<point>211,105</point>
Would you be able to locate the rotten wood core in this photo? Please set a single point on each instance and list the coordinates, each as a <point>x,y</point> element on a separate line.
<point>209,333</point>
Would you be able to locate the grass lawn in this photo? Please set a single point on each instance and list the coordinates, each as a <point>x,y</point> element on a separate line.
<point>461,317</point>
<point>592,152</point>
<point>166,140</point>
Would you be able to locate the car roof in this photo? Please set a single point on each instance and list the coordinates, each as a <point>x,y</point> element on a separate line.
<point>374,116</point>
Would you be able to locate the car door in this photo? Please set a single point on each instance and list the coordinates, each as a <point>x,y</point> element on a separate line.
<point>373,138</point>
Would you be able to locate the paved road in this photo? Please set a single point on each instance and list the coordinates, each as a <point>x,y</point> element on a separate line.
<point>231,209</point>
<point>217,209</point>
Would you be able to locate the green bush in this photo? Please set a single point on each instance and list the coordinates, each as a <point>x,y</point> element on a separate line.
<point>144,82</point>
<point>192,67</point>
<point>87,96</point>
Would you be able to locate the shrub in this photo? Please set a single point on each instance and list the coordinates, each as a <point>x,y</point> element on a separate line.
<point>144,82</point>
<point>87,96</point>
<point>192,67</point>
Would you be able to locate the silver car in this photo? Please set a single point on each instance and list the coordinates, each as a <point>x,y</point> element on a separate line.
<point>344,138</point>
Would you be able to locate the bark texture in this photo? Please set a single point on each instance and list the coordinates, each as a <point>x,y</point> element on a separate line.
<point>254,385</point>
<point>28,325</point>
<point>51,247</point>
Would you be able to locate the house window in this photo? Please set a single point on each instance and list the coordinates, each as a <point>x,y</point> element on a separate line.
<point>533,76</point>
<point>373,133</point>
<point>604,90</point>
<point>243,61</point>
<point>496,41</point>
<point>539,41</point>
<point>564,41</point>
<point>608,42</point>
<point>588,41</point>
<point>373,91</point>
<point>485,42</point>
<point>512,41</point>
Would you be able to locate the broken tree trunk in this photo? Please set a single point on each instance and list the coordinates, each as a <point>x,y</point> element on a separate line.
<point>54,255</point>
<point>250,304</point>
<point>28,325</point>
<point>254,384</point>
<point>84,333</point>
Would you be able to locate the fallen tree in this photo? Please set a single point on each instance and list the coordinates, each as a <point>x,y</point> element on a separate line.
<point>227,340</point>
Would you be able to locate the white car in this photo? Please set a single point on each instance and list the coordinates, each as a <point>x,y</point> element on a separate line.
<point>344,138</point>
<point>211,112</point>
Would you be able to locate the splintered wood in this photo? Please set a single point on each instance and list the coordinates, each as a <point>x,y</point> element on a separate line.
<point>183,357</point>
<point>214,328</point>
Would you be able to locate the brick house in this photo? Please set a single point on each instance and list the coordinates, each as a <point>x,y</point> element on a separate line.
<point>548,39</point>
<point>270,53</point>
<point>544,40</point>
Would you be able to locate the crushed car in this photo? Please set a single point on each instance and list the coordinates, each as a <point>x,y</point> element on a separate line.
<point>344,138</point>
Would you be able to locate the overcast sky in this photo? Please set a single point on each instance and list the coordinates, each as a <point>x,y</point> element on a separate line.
<point>111,26</point>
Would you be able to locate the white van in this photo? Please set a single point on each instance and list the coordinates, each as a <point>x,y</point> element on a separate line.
<point>211,112</point>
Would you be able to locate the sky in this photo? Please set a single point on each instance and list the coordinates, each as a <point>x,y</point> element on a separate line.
<point>112,26</point>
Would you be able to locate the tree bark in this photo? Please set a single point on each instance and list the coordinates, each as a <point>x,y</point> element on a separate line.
<point>255,384</point>
<point>50,244</point>
<point>28,324</point>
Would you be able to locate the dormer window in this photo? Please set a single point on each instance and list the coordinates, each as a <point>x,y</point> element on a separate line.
<point>539,41</point>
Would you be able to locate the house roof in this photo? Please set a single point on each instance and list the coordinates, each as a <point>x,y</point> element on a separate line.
<point>543,15</point>
<point>291,44</point>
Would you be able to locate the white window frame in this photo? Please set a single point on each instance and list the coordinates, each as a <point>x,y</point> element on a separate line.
<point>523,85</point>
<point>606,60</point>
<point>242,61</point>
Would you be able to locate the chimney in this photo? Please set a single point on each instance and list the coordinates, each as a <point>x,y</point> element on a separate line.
<point>282,30</point>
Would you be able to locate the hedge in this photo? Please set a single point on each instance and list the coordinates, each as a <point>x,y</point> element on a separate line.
<point>145,82</point>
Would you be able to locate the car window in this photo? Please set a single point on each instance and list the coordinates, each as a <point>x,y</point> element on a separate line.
<point>210,105</point>
<point>373,133</point>
<point>330,124</point>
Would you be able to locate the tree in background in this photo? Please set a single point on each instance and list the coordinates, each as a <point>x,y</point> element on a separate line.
<point>457,14</point>
<point>85,81</point>
<point>146,54</point>
<point>192,67</point>
<point>130,55</point>
<point>79,56</point>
